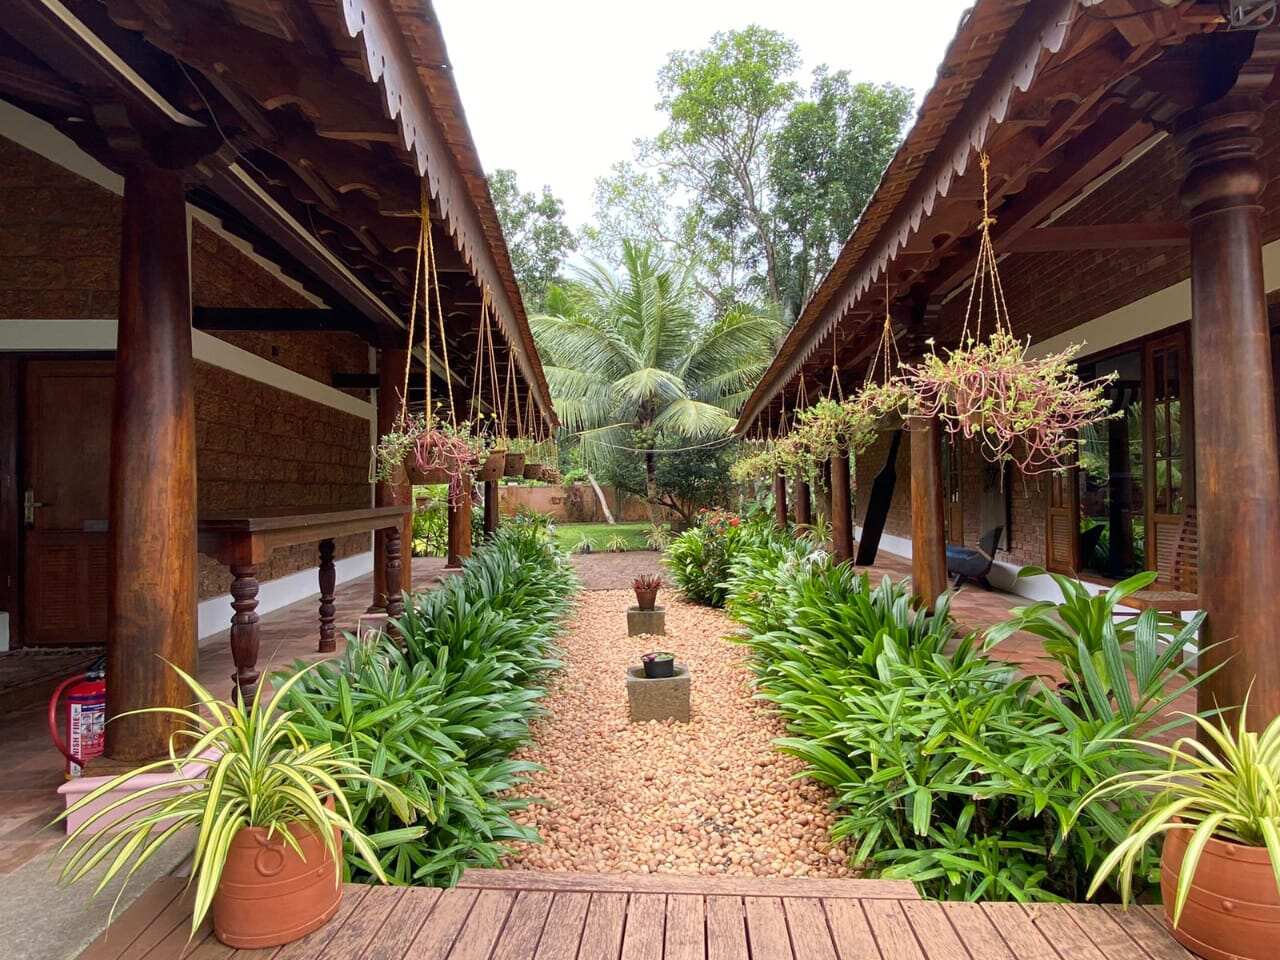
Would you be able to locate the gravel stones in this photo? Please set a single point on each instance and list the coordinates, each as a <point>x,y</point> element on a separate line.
<point>707,797</point>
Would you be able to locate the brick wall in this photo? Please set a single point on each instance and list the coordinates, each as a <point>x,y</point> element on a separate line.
<point>257,447</point>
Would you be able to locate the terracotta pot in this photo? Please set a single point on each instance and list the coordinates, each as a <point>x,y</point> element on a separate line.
<point>645,599</point>
<point>514,466</point>
<point>533,471</point>
<point>268,895</point>
<point>1233,908</point>
<point>493,466</point>
<point>431,475</point>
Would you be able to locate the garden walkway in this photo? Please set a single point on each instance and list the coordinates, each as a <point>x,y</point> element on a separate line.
<point>709,797</point>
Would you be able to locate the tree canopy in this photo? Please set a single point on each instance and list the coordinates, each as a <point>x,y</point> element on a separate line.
<point>757,179</point>
<point>538,239</point>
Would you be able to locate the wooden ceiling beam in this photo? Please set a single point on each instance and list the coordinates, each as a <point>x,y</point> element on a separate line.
<point>1101,236</point>
<point>278,319</point>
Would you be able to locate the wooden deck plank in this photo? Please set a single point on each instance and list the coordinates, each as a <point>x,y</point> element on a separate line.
<point>180,942</point>
<point>892,931</point>
<point>976,931</point>
<point>1023,938</point>
<point>807,922</point>
<point>483,927</point>
<point>850,931</point>
<point>1054,921</point>
<point>364,925</point>
<point>211,948</point>
<point>436,937</point>
<point>1150,930</point>
<point>1105,934</point>
<point>767,928</point>
<point>524,926</point>
<point>698,886</point>
<point>726,929</point>
<point>131,924</point>
<point>313,944</point>
<point>563,930</point>
<point>686,937</point>
<point>934,931</point>
<point>602,932</point>
<point>646,925</point>
<point>393,940</point>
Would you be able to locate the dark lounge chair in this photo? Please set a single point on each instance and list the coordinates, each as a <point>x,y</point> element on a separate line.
<point>966,563</point>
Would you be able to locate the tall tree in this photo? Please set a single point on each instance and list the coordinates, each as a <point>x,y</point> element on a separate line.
<point>629,363</point>
<point>824,163</point>
<point>723,103</point>
<point>536,234</point>
<point>760,183</point>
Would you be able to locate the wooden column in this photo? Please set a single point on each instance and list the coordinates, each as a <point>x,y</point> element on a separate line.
<point>491,495</point>
<point>398,490</point>
<point>392,571</point>
<point>841,509</point>
<point>780,500</point>
<point>928,532</point>
<point>151,600</point>
<point>1236,462</point>
<point>459,515</point>
<point>328,611</point>
<point>804,504</point>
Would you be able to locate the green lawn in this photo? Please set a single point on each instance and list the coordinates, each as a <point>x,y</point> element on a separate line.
<point>570,535</point>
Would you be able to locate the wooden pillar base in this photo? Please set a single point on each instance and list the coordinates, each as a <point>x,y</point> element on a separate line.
<point>928,539</point>
<point>841,509</point>
<point>804,504</point>
<point>459,517</point>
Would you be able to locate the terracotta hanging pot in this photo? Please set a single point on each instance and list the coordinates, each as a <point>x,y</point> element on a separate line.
<point>268,895</point>
<point>493,466</point>
<point>429,475</point>
<point>533,471</point>
<point>1233,909</point>
<point>514,465</point>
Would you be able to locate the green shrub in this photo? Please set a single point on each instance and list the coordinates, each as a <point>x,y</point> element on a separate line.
<point>701,558</point>
<point>439,713</point>
<point>946,768</point>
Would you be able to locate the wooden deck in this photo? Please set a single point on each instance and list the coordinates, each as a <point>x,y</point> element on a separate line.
<point>522,915</point>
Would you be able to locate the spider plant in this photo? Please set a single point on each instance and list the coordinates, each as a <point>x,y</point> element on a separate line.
<point>258,771</point>
<point>1227,788</point>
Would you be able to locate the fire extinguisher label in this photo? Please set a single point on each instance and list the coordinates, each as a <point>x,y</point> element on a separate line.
<point>85,732</point>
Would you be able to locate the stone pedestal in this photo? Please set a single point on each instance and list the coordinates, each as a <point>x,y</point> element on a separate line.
<point>662,698</point>
<point>646,621</point>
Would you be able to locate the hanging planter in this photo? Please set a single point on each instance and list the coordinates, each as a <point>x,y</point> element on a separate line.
<point>1023,410</point>
<point>514,465</point>
<point>492,466</point>
<point>533,471</point>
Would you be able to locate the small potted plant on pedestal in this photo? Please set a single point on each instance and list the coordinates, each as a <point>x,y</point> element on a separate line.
<point>646,587</point>
<point>268,811</point>
<point>658,664</point>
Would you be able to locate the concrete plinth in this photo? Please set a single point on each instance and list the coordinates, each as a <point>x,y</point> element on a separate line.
<point>660,698</point>
<point>646,621</point>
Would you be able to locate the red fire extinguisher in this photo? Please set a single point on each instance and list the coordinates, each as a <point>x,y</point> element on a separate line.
<point>86,716</point>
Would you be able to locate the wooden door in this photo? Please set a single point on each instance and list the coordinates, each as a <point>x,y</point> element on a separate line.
<point>1169,445</point>
<point>66,443</point>
<point>953,509</point>
<point>1062,523</point>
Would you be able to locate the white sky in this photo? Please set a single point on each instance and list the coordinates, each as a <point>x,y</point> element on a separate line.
<point>559,89</point>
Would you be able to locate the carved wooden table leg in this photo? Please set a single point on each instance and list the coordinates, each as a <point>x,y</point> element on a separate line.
<point>395,597</point>
<point>328,580</point>
<point>244,630</point>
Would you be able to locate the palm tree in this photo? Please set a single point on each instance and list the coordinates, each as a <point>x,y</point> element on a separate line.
<point>626,356</point>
